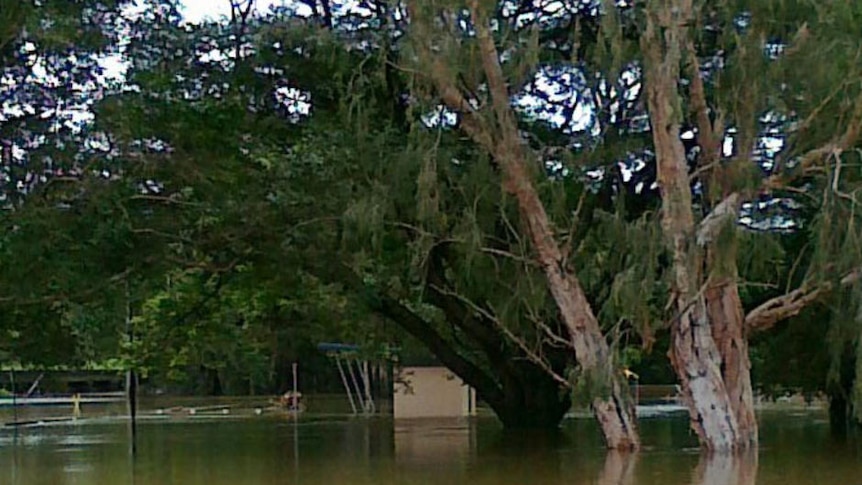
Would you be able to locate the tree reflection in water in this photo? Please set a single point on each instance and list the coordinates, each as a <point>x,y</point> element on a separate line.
<point>619,468</point>
<point>712,469</point>
<point>727,469</point>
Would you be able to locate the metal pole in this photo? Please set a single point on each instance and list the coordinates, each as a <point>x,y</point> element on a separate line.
<point>35,385</point>
<point>356,385</point>
<point>367,381</point>
<point>131,403</point>
<point>344,381</point>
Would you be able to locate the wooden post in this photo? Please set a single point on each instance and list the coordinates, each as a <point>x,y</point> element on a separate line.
<point>295,391</point>
<point>76,406</point>
<point>14,397</point>
<point>131,378</point>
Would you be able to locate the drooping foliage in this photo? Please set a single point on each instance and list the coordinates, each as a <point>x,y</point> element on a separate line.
<point>266,181</point>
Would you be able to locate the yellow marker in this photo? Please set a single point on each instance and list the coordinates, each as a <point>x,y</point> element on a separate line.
<point>630,375</point>
<point>76,405</point>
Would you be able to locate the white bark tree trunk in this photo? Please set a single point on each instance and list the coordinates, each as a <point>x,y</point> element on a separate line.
<point>708,348</point>
<point>725,312</point>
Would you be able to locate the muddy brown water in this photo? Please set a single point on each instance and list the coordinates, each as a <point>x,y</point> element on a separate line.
<point>797,449</point>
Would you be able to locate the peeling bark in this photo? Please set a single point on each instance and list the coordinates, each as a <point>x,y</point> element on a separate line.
<point>790,304</point>
<point>725,315</point>
<point>614,410</point>
<point>706,336</point>
<point>697,363</point>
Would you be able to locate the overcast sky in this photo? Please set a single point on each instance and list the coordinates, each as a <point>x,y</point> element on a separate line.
<point>197,10</point>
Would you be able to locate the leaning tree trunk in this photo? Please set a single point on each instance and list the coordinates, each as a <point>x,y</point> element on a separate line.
<point>612,406</point>
<point>708,348</point>
<point>500,137</point>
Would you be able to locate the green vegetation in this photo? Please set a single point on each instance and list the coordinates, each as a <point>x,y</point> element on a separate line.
<point>251,187</point>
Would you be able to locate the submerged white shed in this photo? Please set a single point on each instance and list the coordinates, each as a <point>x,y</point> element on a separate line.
<point>431,392</point>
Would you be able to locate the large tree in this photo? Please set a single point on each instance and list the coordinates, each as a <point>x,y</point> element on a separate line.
<point>623,166</point>
<point>214,177</point>
<point>496,131</point>
<point>710,331</point>
<point>761,136</point>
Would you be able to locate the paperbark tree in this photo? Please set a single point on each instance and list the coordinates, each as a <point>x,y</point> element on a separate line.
<point>501,139</point>
<point>703,316</point>
<point>709,332</point>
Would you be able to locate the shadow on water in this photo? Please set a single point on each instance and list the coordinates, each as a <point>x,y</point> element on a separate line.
<point>522,456</point>
<point>523,443</point>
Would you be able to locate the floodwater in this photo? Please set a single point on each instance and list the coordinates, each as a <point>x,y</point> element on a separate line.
<point>797,449</point>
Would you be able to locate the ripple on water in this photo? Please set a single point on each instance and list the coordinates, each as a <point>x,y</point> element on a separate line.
<point>77,468</point>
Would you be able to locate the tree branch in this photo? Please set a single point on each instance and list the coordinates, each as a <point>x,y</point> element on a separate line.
<point>709,136</point>
<point>422,330</point>
<point>457,313</point>
<point>527,261</point>
<point>167,199</point>
<point>810,161</point>
<point>790,304</point>
<point>444,81</point>
<point>425,333</point>
<point>42,300</point>
<point>531,355</point>
<point>162,234</point>
<point>493,71</point>
<point>725,212</point>
<point>327,14</point>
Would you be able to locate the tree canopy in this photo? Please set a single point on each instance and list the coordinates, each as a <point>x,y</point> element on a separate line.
<point>249,186</point>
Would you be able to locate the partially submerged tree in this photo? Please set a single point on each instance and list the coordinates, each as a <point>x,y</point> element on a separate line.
<point>496,130</point>
<point>561,230</point>
<point>710,329</point>
<point>212,168</point>
<point>746,95</point>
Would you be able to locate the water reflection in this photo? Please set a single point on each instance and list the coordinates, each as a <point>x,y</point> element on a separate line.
<point>523,457</point>
<point>727,469</point>
<point>712,469</point>
<point>433,441</point>
<point>797,450</point>
<point>619,468</point>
